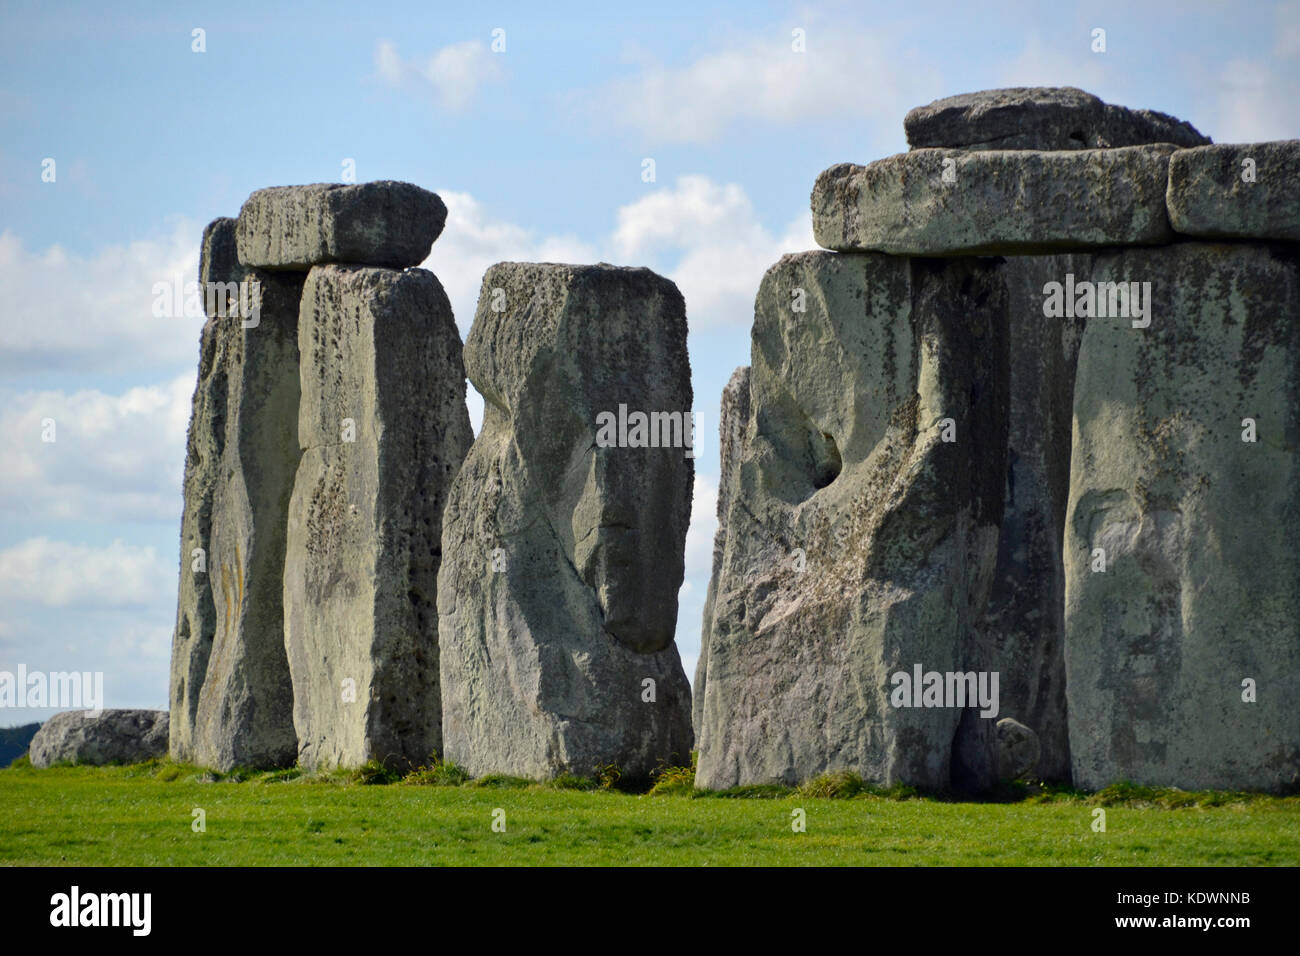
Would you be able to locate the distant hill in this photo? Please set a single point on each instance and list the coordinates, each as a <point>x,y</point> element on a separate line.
<point>14,742</point>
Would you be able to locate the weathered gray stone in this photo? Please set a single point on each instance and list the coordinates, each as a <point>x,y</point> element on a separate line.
<point>1018,750</point>
<point>382,223</point>
<point>231,699</point>
<point>557,596</point>
<point>996,202</point>
<point>1201,587</point>
<point>218,257</point>
<point>733,421</point>
<point>380,351</point>
<point>112,736</point>
<point>196,615</point>
<point>859,542</point>
<point>1235,190</point>
<point>1040,118</point>
<point>1025,615</point>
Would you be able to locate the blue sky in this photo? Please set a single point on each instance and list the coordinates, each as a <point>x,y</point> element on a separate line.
<point>538,151</point>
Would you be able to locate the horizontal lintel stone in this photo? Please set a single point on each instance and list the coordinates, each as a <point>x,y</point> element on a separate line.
<point>383,223</point>
<point>1236,190</point>
<point>938,202</point>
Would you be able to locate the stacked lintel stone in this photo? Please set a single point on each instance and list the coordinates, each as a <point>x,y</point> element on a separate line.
<point>1034,416</point>
<point>327,428</point>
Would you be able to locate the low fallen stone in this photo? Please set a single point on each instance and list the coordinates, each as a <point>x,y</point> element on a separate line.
<point>112,736</point>
<point>1018,749</point>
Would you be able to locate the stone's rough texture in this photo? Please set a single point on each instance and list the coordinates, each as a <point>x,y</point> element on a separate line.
<point>895,528</point>
<point>732,424</point>
<point>1201,588</point>
<point>231,702</point>
<point>1040,118</point>
<point>196,615</point>
<point>245,708</point>
<point>1025,614</point>
<point>1018,751</point>
<point>380,348</point>
<point>381,224</point>
<point>112,736</point>
<point>218,255</point>
<point>1001,201</point>
<point>557,596</point>
<point>1207,195</point>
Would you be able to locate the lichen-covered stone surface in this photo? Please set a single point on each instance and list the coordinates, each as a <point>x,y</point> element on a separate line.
<point>381,223</point>
<point>861,542</point>
<point>383,428</point>
<point>943,202</point>
<point>1198,604</point>
<point>563,555</point>
<point>1239,190</point>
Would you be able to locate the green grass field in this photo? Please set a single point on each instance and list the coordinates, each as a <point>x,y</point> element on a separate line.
<point>144,816</point>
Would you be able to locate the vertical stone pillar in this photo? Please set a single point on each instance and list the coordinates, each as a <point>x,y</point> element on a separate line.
<point>564,535</point>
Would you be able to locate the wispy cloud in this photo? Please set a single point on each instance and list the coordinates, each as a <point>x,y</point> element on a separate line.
<point>1255,97</point>
<point>846,75</point>
<point>451,76</point>
<point>715,241</point>
<point>76,313</point>
<point>60,574</point>
<point>113,458</point>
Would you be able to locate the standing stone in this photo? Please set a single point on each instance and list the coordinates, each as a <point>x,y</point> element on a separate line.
<point>245,711</point>
<point>940,202</point>
<point>1196,609</point>
<point>732,424</point>
<point>557,598</point>
<point>111,736</point>
<point>196,616</point>
<point>381,223</point>
<point>860,542</point>
<point>1241,190</point>
<point>383,428</point>
<point>1041,118</point>
<point>231,697</point>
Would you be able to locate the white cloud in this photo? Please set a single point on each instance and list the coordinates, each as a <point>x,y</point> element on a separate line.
<point>66,312</point>
<point>452,75</point>
<point>471,242</point>
<point>845,75</point>
<point>59,574</point>
<point>1255,102</point>
<point>114,457</point>
<point>720,246</point>
<point>704,522</point>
